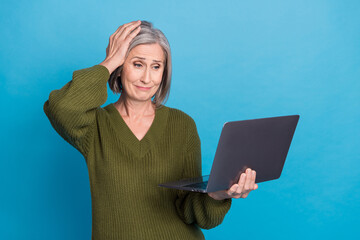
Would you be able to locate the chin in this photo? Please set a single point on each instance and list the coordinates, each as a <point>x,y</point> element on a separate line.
<point>142,99</point>
<point>141,96</point>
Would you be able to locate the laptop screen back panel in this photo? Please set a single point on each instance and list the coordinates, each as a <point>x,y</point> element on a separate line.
<point>260,144</point>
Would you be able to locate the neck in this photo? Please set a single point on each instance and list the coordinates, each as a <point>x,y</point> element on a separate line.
<point>134,109</point>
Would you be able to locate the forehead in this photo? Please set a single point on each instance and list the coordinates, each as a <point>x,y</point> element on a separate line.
<point>148,51</point>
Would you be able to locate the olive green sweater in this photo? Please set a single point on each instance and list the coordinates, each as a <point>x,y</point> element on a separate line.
<point>124,173</point>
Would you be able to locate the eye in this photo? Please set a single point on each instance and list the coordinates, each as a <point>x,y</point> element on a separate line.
<point>137,65</point>
<point>156,67</point>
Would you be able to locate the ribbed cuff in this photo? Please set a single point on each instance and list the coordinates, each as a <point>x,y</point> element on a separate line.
<point>213,203</point>
<point>102,68</point>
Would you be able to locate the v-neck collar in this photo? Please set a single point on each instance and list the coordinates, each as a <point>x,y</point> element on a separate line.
<point>139,147</point>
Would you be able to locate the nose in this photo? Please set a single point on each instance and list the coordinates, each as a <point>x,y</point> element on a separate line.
<point>146,78</point>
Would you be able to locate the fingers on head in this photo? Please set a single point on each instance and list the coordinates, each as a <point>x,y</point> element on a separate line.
<point>136,22</point>
<point>117,31</point>
<point>133,33</point>
<point>121,28</point>
<point>126,29</point>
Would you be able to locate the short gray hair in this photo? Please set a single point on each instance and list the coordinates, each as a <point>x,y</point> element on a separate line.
<point>148,35</point>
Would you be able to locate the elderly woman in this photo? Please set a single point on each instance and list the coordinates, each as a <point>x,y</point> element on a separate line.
<point>134,144</point>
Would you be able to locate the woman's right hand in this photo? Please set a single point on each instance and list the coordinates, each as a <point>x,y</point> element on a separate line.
<point>118,45</point>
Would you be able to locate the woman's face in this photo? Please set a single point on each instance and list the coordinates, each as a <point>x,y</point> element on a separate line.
<point>142,71</point>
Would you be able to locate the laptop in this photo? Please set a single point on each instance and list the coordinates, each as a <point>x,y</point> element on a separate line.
<point>260,144</point>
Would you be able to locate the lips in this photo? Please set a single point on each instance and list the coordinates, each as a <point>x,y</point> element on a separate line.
<point>143,88</point>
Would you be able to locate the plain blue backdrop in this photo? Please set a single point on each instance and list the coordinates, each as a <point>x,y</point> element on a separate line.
<point>232,60</point>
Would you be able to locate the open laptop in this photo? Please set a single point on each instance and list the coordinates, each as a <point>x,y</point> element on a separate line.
<point>260,144</point>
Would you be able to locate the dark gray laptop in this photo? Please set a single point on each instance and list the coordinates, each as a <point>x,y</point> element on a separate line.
<point>260,144</point>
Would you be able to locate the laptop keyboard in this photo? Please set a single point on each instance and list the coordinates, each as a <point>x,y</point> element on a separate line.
<point>201,185</point>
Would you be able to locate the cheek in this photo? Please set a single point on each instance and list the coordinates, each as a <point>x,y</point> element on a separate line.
<point>158,78</point>
<point>130,76</point>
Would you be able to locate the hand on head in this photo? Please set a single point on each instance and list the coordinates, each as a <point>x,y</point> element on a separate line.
<point>119,43</point>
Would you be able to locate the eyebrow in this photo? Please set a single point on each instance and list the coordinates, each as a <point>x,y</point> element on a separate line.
<point>145,58</point>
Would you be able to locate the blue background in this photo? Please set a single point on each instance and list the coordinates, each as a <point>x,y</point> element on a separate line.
<point>232,60</point>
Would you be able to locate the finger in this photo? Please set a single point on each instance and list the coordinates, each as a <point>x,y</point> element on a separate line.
<point>252,183</point>
<point>232,190</point>
<point>128,25</point>
<point>241,183</point>
<point>247,181</point>
<point>116,32</point>
<point>134,29</point>
<point>241,176</point>
<point>237,196</point>
<point>133,34</point>
<point>256,186</point>
<point>234,193</point>
<point>244,195</point>
<point>121,27</point>
<point>126,30</point>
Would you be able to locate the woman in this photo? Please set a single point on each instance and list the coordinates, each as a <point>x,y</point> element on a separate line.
<point>136,143</point>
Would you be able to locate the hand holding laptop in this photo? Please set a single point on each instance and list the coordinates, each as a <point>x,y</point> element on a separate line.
<point>240,190</point>
<point>261,144</point>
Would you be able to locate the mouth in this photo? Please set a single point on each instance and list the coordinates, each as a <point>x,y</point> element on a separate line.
<point>143,88</point>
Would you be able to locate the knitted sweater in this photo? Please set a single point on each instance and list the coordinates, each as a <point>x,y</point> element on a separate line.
<point>124,173</point>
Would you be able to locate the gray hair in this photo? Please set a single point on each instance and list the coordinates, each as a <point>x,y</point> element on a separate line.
<point>148,35</point>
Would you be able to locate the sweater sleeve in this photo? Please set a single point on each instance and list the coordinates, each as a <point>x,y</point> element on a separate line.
<point>195,207</point>
<point>72,109</point>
